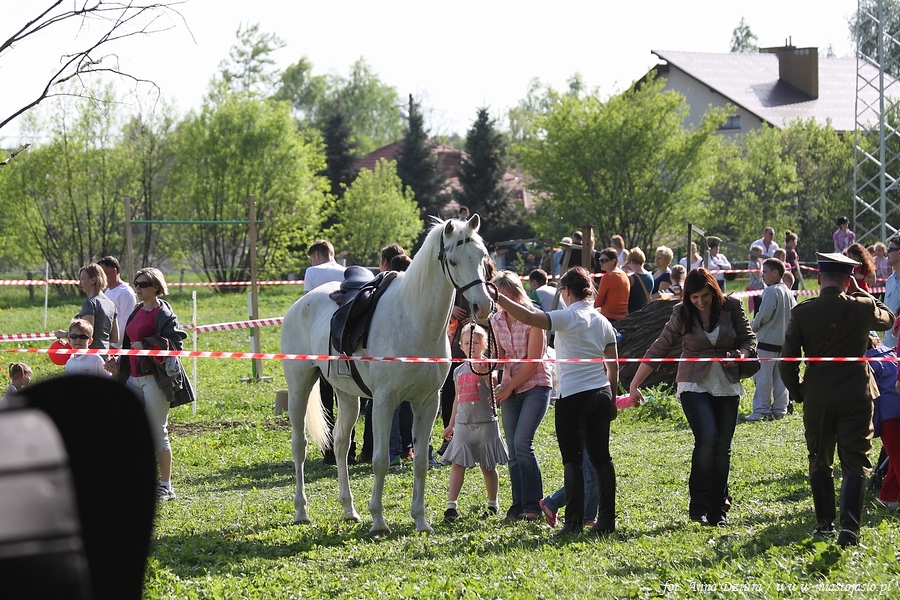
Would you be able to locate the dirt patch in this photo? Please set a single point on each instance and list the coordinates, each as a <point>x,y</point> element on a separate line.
<point>201,427</point>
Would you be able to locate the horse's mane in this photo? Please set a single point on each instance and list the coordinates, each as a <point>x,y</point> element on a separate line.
<point>420,272</point>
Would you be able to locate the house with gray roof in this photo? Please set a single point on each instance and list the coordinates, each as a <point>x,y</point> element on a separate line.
<point>774,86</point>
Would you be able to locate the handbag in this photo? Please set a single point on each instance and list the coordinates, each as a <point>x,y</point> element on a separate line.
<point>749,368</point>
<point>746,368</point>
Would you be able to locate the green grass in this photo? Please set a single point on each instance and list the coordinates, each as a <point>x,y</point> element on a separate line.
<point>229,534</point>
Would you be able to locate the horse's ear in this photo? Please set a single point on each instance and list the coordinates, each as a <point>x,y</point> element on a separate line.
<point>474,222</point>
<point>448,228</point>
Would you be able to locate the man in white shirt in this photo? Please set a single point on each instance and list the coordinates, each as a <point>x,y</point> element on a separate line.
<point>120,293</point>
<point>768,243</point>
<point>717,260</point>
<point>892,287</point>
<point>323,270</point>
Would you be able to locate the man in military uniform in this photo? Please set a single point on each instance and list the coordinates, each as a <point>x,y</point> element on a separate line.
<point>838,396</point>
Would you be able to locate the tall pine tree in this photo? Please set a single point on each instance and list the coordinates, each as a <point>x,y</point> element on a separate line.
<point>417,165</point>
<point>340,150</point>
<point>481,178</point>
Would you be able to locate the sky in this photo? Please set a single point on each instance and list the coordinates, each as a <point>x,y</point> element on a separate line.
<point>453,57</point>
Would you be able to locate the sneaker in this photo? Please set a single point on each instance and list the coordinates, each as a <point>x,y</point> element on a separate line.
<point>408,455</point>
<point>395,461</point>
<point>443,448</point>
<point>823,531</point>
<point>590,522</point>
<point>886,504</point>
<point>549,515</point>
<point>433,462</point>
<point>450,515</point>
<point>847,537</point>
<point>755,416</point>
<point>164,494</point>
<point>490,511</point>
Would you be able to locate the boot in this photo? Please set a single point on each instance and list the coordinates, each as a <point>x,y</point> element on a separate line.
<point>573,480</point>
<point>823,501</point>
<point>853,493</point>
<point>606,516</point>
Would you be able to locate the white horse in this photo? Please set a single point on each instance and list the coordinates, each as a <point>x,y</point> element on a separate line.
<point>410,320</point>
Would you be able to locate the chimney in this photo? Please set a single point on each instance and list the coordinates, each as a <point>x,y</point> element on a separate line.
<point>798,67</point>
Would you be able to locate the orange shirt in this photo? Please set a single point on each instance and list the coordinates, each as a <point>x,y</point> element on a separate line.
<point>612,296</point>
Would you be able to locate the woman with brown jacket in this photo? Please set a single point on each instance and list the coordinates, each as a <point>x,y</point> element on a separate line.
<point>707,325</point>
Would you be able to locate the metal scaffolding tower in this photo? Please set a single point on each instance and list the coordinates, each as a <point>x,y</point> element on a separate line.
<point>876,212</point>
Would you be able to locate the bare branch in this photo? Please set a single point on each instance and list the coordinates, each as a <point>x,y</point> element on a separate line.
<point>13,155</point>
<point>121,20</point>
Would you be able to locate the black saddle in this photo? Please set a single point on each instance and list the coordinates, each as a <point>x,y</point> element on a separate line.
<point>358,296</point>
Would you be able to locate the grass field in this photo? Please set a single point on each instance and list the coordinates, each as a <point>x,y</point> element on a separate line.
<point>229,534</point>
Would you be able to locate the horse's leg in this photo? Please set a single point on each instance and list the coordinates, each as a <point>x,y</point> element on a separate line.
<point>348,412</point>
<point>382,415</point>
<point>424,414</point>
<point>300,378</point>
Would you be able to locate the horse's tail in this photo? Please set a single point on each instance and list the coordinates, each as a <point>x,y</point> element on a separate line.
<point>316,424</point>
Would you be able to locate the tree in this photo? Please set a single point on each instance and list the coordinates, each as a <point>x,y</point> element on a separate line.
<point>823,161</point>
<point>372,107</point>
<point>754,187</point>
<point>235,146</point>
<point>417,165</point>
<point>146,143</point>
<point>100,24</point>
<point>481,174</point>
<point>302,89</point>
<point>376,211</point>
<point>742,39</point>
<point>250,66</point>
<point>340,151</point>
<point>67,191</point>
<point>626,165</point>
<point>864,31</point>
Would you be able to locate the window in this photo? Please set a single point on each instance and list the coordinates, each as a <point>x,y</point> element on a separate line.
<point>733,122</point>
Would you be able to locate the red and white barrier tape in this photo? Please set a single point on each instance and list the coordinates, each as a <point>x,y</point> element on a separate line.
<point>420,359</point>
<point>171,283</point>
<point>237,325</point>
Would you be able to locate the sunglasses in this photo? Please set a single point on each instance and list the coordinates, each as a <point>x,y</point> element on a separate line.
<point>79,336</point>
<point>893,250</point>
<point>603,261</point>
<point>143,284</point>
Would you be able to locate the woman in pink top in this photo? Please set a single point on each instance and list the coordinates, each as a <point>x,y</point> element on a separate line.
<point>524,395</point>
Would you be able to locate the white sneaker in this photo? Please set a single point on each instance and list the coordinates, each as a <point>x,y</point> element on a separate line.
<point>164,494</point>
<point>755,416</point>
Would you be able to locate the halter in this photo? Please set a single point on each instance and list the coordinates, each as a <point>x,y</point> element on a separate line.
<point>442,256</point>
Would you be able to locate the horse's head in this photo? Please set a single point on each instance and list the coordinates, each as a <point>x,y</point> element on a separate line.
<point>462,259</point>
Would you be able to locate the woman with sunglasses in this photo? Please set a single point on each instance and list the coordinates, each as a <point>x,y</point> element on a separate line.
<point>98,310</point>
<point>615,287</point>
<point>152,318</point>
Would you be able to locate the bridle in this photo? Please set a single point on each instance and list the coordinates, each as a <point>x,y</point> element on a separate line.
<point>442,256</point>
<point>492,348</point>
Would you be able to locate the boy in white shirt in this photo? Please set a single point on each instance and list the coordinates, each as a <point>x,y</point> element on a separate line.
<point>80,336</point>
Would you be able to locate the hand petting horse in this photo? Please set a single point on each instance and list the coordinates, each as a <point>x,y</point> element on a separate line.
<point>410,320</point>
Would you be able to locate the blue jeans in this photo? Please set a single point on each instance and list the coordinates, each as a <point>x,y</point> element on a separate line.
<point>557,499</point>
<point>712,420</point>
<point>522,414</point>
<point>401,427</point>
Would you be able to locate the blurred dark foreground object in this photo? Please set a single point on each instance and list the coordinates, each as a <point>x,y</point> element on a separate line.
<point>82,530</point>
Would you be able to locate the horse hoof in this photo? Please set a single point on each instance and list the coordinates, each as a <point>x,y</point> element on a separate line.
<point>303,521</point>
<point>353,519</point>
<point>428,530</point>
<point>379,532</point>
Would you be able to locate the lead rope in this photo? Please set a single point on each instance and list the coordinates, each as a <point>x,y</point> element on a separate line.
<point>493,351</point>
